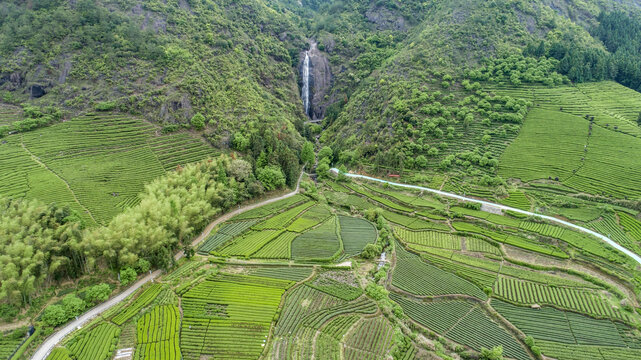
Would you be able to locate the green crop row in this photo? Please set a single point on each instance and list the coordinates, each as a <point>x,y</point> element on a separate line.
<point>631,225</point>
<point>356,234</point>
<point>439,316</point>
<point>371,337</point>
<point>283,219</point>
<point>512,240</point>
<point>310,218</point>
<point>318,318</point>
<point>336,288</point>
<point>300,302</point>
<point>229,316</point>
<point>96,344</point>
<point>477,331</point>
<point>379,199</point>
<point>554,325</point>
<point>145,298</point>
<point>338,327</point>
<point>561,351</point>
<point>413,223</point>
<point>183,270</point>
<point>429,238</point>
<point>250,243</point>
<point>319,243</point>
<point>158,334</point>
<point>418,277</point>
<point>271,209</point>
<point>585,301</point>
<point>224,234</point>
<point>278,248</point>
<point>478,245</point>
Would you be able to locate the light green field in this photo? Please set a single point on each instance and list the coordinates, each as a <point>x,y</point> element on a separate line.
<point>554,144</point>
<point>96,164</point>
<point>537,152</point>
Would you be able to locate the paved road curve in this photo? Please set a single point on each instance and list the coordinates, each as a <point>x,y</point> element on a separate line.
<point>55,338</point>
<point>503,207</point>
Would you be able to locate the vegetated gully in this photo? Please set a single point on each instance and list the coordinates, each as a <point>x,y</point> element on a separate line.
<point>612,243</point>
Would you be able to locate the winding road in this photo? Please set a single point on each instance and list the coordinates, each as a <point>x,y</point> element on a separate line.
<point>488,204</point>
<point>47,346</point>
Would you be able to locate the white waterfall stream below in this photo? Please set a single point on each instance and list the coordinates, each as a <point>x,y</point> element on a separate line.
<point>305,91</point>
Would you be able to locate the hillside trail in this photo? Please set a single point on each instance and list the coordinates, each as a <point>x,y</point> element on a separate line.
<point>492,207</point>
<point>242,209</point>
<point>47,346</point>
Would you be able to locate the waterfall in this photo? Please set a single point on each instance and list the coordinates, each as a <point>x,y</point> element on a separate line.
<point>305,92</point>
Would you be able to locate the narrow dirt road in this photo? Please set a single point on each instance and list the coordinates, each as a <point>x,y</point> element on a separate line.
<point>55,338</point>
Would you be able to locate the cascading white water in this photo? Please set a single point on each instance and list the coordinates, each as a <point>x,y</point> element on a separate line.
<point>305,92</point>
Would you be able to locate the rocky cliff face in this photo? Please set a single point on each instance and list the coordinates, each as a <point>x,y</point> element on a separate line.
<point>320,81</point>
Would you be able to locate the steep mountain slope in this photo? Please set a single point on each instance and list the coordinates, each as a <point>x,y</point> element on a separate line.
<point>431,104</point>
<point>167,61</point>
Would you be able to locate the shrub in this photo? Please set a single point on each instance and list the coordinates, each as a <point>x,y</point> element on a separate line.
<point>326,153</point>
<point>371,251</point>
<point>376,292</point>
<point>54,315</point>
<point>127,276</point>
<point>322,170</point>
<point>307,154</point>
<point>495,354</point>
<point>73,305</point>
<point>271,177</point>
<point>8,312</point>
<point>142,266</point>
<point>98,293</point>
<point>106,106</point>
<point>169,128</point>
<point>198,121</point>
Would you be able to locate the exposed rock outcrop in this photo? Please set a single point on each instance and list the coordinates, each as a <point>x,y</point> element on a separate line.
<point>385,19</point>
<point>320,80</point>
<point>37,91</point>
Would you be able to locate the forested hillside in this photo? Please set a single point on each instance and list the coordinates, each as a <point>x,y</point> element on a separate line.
<point>230,61</point>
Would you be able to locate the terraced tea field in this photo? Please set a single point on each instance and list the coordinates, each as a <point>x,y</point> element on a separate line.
<point>557,141</point>
<point>96,164</point>
<point>287,281</point>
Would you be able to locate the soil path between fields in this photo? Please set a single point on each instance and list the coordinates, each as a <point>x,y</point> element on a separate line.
<point>54,339</point>
<point>39,162</point>
<point>491,207</point>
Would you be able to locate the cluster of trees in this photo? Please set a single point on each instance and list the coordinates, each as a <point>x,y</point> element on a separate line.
<point>73,305</point>
<point>272,153</point>
<point>518,69</point>
<point>40,244</point>
<point>88,25</point>
<point>620,32</point>
<point>35,117</point>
